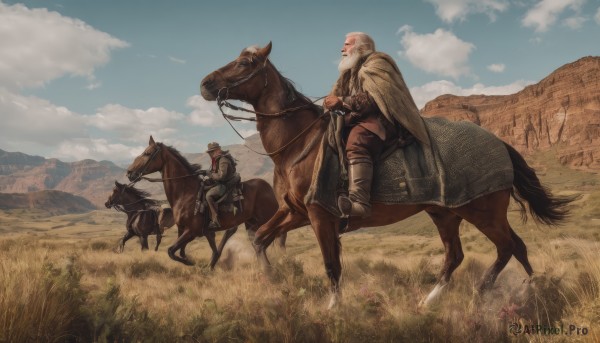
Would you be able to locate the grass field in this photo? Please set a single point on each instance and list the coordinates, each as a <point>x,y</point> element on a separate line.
<point>60,280</point>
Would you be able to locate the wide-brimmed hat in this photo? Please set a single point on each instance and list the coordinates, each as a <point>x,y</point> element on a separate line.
<point>213,146</point>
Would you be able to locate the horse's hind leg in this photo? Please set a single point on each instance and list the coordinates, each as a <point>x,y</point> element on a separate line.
<point>448,225</point>
<point>520,252</point>
<point>210,237</point>
<point>228,233</point>
<point>488,214</point>
<point>123,240</point>
<point>144,242</point>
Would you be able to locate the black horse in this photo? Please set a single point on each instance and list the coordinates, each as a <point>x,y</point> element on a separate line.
<point>144,215</point>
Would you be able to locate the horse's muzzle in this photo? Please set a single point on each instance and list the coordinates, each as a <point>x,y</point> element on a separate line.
<point>107,204</point>
<point>208,90</point>
<point>132,176</point>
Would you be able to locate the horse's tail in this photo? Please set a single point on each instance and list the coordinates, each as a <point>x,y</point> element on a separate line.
<point>544,207</point>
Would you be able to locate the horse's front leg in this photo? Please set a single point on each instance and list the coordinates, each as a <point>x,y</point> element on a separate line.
<point>183,239</point>
<point>124,239</point>
<point>281,241</point>
<point>158,239</point>
<point>282,221</point>
<point>326,228</point>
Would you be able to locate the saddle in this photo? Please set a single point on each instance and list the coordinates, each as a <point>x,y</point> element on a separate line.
<point>463,162</point>
<point>230,201</point>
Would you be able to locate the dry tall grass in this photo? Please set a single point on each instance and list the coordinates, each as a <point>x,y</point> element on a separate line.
<point>55,291</point>
<point>60,281</point>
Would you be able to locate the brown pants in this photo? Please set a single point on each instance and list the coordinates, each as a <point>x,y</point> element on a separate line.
<point>363,144</point>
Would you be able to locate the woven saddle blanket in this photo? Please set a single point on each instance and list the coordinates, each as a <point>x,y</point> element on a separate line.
<point>464,162</point>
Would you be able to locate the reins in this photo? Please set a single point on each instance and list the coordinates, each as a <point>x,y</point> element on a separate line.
<point>161,179</point>
<point>222,102</point>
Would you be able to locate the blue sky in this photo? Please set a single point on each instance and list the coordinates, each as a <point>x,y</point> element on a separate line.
<point>93,79</point>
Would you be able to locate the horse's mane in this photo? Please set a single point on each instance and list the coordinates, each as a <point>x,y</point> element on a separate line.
<point>192,168</point>
<point>292,93</point>
<point>143,195</point>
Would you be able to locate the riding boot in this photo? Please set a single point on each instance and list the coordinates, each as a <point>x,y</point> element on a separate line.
<point>360,176</point>
<point>214,214</point>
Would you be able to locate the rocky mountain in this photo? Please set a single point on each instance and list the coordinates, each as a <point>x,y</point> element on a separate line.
<point>55,202</point>
<point>562,111</point>
<point>21,173</point>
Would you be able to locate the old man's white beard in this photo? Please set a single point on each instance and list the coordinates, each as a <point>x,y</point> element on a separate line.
<point>348,62</point>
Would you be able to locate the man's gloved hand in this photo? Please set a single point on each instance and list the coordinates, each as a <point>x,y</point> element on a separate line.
<point>332,103</point>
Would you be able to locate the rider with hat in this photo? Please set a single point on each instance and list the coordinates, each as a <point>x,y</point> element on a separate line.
<point>222,171</point>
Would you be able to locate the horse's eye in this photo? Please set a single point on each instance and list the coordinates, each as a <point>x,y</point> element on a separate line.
<point>243,63</point>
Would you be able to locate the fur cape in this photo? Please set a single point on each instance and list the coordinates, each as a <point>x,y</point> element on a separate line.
<point>379,76</point>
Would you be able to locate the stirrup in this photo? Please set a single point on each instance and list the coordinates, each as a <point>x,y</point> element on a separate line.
<point>344,205</point>
<point>213,225</point>
<point>351,208</point>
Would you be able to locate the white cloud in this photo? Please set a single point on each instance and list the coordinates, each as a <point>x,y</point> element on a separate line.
<point>177,60</point>
<point>597,16</point>
<point>429,91</point>
<point>40,45</point>
<point>28,120</point>
<point>496,67</point>
<point>452,10</point>
<point>135,124</point>
<point>204,112</point>
<point>575,22</point>
<point>96,149</point>
<point>546,12</point>
<point>93,85</point>
<point>440,52</point>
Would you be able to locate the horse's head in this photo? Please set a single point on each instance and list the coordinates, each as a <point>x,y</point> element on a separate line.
<point>242,79</point>
<point>116,197</point>
<point>148,162</point>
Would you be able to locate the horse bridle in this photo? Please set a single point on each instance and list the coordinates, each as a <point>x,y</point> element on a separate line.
<point>140,174</point>
<point>223,102</point>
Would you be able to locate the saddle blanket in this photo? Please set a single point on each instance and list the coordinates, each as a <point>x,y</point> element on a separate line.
<point>464,162</point>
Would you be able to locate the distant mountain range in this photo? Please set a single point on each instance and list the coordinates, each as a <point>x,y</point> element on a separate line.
<point>93,180</point>
<point>562,111</point>
<point>55,202</point>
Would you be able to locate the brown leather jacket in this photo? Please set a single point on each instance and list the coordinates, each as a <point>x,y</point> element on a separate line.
<point>223,167</point>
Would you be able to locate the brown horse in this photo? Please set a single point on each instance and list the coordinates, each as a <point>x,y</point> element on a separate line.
<point>144,215</point>
<point>289,125</point>
<point>181,183</point>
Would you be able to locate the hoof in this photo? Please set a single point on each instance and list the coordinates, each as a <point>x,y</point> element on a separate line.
<point>432,296</point>
<point>333,301</point>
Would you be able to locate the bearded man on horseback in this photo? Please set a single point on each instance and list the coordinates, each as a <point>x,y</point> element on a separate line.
<point>222,171</point>
<point>378,111</point>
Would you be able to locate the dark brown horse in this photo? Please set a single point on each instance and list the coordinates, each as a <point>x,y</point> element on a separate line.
<point>289,125</point>
<point>181,183</point>
<point>144,215</point>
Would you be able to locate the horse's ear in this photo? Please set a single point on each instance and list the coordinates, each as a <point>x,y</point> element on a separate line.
<point>264,52</point>
<point>117,183</point>
<point>151,142</point>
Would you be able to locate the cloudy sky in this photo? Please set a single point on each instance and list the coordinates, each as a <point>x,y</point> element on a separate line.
<point>93,79</point>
